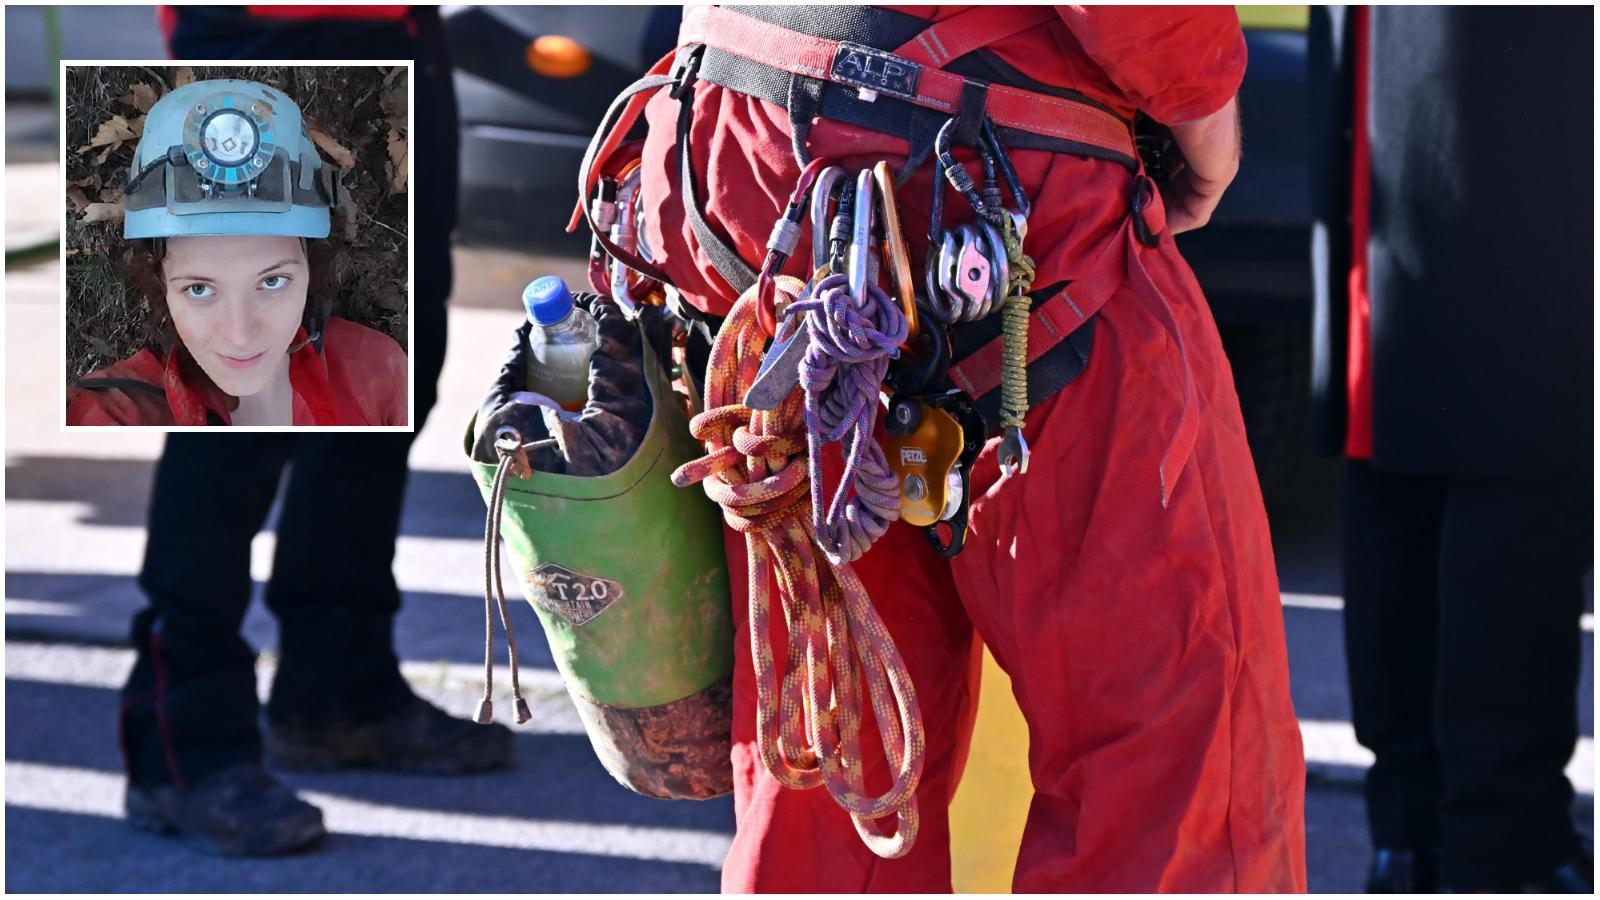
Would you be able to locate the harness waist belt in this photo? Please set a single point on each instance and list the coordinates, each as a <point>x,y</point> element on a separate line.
<point>876,72</point>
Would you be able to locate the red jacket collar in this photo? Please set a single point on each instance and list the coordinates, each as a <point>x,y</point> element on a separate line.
<point>191,395</point>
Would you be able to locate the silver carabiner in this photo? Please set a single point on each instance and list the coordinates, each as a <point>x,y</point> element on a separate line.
<point>860,260</point>
<point>821,195</point>
<point>625,235</point>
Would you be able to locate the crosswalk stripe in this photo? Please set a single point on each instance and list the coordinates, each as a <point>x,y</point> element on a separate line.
<point>1333,743</point>
<point>1334,603</point>
<point>70,789</point>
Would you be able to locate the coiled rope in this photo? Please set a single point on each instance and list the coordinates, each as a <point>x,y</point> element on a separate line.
<point>1014,329</point>
<point>808,723</point>
<point>841,374</point>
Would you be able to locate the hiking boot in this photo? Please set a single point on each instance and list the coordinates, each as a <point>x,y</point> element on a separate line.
<point>1397,871</point>
<point>242,811</point>
<point>419,738</point>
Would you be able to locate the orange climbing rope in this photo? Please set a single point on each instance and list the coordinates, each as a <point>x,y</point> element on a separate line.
<point>808,725</point>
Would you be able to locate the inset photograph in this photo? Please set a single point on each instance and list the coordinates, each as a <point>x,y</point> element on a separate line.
<point>236,243</point>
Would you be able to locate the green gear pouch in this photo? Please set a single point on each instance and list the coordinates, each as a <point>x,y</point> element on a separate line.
<point>627,575</point>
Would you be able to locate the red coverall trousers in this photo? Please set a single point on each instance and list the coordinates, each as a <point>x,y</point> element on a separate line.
<point>1144,641</point>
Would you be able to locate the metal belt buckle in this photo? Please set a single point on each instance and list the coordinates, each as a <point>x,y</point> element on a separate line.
<point>872,71</point>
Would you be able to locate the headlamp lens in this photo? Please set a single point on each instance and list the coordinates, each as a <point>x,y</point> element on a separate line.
<point>229,137</point>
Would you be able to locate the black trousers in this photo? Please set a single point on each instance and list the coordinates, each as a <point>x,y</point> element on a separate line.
<point>1462,606</point>
<point>190,705</point>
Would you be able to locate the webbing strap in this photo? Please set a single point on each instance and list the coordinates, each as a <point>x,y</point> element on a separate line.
<point>971,29</point>
<point>802,54</point>
<point>1051,321</point>
<point>614,127</point>
<point>734,270</point>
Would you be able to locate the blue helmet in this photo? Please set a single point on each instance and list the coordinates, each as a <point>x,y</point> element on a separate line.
<point>227,157</point>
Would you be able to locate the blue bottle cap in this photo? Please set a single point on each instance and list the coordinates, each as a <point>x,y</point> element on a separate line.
<point>547,300</point>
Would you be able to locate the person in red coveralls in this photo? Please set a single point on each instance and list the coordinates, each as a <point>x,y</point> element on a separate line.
<point>1125,581</point>
<point>190,724</point>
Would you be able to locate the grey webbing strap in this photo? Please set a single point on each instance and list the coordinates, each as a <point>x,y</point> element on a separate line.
<point>805,102</point>
<point>739,276</point>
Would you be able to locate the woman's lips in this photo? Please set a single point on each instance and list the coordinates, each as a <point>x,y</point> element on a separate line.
<point>241,362</point>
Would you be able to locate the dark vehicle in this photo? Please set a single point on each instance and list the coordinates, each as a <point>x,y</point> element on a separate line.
<point>524,132</point>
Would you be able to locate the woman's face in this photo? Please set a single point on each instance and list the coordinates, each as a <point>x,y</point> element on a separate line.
<point>237,303</point>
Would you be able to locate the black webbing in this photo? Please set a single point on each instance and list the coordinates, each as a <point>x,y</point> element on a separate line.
<point>739,276</point>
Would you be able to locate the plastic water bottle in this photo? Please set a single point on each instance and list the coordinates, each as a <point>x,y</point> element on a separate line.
<point>560,343</point>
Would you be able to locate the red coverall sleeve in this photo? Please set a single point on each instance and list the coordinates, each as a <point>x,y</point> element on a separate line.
<point>85,408</point>
<point>1175,63</point>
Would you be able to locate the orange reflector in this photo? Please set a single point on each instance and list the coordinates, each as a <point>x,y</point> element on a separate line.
<point>557,56</point>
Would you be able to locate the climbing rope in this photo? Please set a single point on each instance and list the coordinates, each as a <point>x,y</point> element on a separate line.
<point>841,374</point>
<point>808,722</point>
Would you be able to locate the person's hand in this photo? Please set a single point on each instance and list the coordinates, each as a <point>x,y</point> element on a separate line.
<point>1211,147</point>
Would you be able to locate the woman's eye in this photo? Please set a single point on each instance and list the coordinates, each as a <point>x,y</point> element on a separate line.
<point>198,291</point>
<point>275,282</point>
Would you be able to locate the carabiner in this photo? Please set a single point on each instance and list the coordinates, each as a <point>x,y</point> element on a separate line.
<point>821,198</point>
<point>859,265</point>
<point>896,255</point>
<point>781,245</point>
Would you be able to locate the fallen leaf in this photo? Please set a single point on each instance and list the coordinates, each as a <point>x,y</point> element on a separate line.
<point>183,76</point>
<point>396,166</point>
<point>112,132</point>
<point>141,97</point>
<point>137,126</point>
<point>102,212</point>
<point>90,181</point>
<point>78,199</point>
<point>333,148</point>
<point>73,251</point>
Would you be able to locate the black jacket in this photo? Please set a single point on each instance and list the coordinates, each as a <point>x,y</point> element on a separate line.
<point>1480,124</point>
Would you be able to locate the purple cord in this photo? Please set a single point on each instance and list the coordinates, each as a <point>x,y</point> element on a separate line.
<point>844,366</point>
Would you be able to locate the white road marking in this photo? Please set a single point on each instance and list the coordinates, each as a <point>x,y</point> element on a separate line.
<point>1334,744</point>
<point>107,668</point>
<point>1335,604</point>
<point>79,791</point>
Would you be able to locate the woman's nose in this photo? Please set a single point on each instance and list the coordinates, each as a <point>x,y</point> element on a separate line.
<point>240,324</point>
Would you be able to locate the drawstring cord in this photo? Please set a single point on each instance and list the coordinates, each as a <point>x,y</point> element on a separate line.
<point>513,461</point>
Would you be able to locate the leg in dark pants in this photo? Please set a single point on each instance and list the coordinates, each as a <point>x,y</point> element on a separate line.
<point>333,588</point>
<point>189,707</point>
<point>1390,527</point>
<point>1512,558</point>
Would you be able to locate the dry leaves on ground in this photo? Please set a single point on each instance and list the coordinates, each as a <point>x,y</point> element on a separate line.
<point>140,97</point>
<point>184,76</point>
<point>112,134</point>
<point>333,148</point>
<point>103,212</point>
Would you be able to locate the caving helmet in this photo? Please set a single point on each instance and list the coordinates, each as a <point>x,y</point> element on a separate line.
<point>228,157</point>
